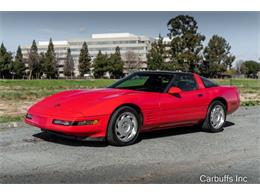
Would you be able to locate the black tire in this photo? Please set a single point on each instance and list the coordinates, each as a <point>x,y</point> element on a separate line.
<point>111,133</point>
<point>207,126</point>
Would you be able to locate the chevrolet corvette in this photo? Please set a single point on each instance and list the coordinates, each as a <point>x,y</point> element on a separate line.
<point>140,102</point>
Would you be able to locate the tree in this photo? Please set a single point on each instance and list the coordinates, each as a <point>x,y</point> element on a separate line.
<point>157,55</point>
<point>186,43</point>
<point>250,68</point>
<point>101,65</point>
<point>33,60</point>
<point>238,65</point>
<point>132,61</point>
<point>50,62</point>
<point>19,65</point>
<point>217,54</point>
<point>6,64</point>
<point>84,60</point>
<point>68,68</point>
<point>39,71</point>
<point>116,64</point>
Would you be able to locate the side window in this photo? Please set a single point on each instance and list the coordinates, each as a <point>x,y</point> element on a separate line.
<point>208,83</point>
<point>185,82</point>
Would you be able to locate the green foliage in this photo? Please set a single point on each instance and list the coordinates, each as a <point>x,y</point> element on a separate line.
<point>50,62</point>
<point>84,60</point>
<point>186,44</point>
<point>40,68</point>
<point>157,55</point>
<point>231,71</point>
<point>115,64</point>
<point>19,65</point>
<point>250,68</point>
<point>101,65</point>
<point>6,64</point>
<point>33,61</point>
<point>68,69</point>
<point>217,56</point>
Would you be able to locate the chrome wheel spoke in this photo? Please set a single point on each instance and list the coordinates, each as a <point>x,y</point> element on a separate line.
<point>217,116</point>
<point>126,126</point>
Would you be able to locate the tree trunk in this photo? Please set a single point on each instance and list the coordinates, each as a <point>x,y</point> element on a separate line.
<point>30,75</point>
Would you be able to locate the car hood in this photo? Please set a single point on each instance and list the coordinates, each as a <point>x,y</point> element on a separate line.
<point>73,101</point>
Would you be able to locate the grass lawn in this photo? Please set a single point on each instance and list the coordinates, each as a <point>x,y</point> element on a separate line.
<point>249,90</point>
<point>17,95</point>
<point>246,85</point>
<point>33,89</point>
<point>8,119</point>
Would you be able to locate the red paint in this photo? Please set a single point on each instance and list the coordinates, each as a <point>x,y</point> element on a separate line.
<point>159,110</point>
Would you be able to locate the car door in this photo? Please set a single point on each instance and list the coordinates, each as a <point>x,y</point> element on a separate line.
<point>185,107</point>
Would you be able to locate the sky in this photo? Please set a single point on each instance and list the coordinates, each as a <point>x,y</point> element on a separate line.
<point>240,29</point>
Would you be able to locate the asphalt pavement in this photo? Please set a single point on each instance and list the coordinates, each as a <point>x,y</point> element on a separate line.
<point>180,155</point>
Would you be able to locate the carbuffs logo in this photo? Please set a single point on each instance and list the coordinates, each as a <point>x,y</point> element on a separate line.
<point>223,179</point>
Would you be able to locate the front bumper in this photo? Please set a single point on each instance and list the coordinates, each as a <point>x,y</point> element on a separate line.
<point>91,131</point>
<point>74,137</point>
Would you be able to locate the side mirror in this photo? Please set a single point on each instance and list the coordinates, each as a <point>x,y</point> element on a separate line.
<point>174,90</point>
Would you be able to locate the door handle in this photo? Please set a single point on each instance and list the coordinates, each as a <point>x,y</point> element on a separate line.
<point>200,95</point>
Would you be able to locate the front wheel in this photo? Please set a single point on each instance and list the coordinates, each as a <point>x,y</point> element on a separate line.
<point>216,117</point>
<point>123,128</point>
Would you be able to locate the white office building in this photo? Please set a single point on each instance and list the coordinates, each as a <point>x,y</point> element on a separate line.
<point>106,43</point>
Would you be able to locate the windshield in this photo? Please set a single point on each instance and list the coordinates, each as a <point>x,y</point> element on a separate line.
<point>153,82</point>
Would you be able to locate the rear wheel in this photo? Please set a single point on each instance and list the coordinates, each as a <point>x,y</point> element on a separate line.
<point>123,128</point>
<point>216,117</point>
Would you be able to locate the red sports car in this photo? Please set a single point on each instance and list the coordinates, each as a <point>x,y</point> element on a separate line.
<point>143,101</point>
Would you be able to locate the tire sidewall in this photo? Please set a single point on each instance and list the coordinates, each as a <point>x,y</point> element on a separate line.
<point>111,134</point>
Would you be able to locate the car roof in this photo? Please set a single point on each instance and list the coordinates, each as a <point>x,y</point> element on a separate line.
<point>162,72</point>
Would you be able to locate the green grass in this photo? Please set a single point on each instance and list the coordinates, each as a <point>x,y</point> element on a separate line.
<point>54,84</point>
<point>15,90</point>
<point>8,119</point>
<point>34,89</point>
<point>250,103</point>
<point>244,84</point>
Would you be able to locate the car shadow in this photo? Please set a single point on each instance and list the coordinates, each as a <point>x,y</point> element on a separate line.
<point>175,131</point>
<point>146,135</point>
<point>70,142</point>
<point>168,132</point>
<point>228,123</point>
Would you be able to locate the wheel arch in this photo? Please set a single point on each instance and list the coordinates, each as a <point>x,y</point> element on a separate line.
<point>134,106</point>
<point>222,100</point>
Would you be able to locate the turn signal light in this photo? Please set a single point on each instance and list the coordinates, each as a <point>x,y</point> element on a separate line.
<point>28,116</point>
<point>74,123</point>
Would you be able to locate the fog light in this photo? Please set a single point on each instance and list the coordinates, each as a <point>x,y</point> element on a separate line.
<point>61,122</point>
<point>29,116</point>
